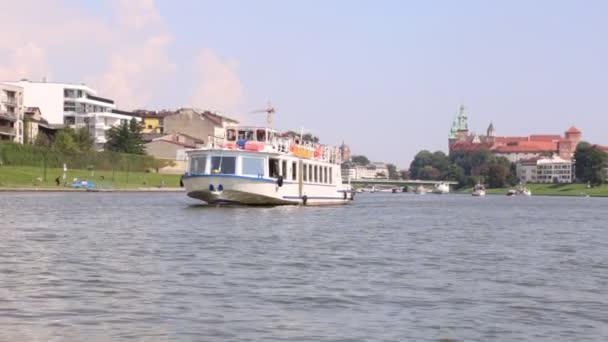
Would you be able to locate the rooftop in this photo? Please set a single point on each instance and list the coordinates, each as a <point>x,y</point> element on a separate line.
<point>573,130</point>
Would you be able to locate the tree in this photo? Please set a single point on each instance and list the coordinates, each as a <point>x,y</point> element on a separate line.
<point>440,161</point>
<point>42,140</point>
<point>360,160</point>
<point>436,160</point>
<point>422,159</point>
<point>455,173</point>
<point>64,141</point>
<point>84,139</point>
<point>392,171</point>
<point>428,173</point>
<point>126,138</point>
<point>589,163</point>
<point>496,175</point>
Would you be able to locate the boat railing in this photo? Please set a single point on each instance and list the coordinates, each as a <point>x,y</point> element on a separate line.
<point>283,145</point>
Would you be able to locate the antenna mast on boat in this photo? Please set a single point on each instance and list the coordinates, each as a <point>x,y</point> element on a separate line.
<point>269,113</point>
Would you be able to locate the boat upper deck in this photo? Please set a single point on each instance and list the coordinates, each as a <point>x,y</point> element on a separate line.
<point>268,140</point>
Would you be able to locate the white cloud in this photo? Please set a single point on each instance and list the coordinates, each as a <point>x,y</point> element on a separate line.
<point>218,86</point>
<point>125,57</point>
<point>28,61</point>
<point>138,14</point>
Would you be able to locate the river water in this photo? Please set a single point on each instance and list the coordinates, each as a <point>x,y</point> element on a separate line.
<point>389,267</point>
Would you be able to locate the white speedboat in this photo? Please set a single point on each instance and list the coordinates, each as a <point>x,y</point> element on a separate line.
<point>259,166</point>
<point>479,190</point>
<point>441,188</point>
<point>524,191</point>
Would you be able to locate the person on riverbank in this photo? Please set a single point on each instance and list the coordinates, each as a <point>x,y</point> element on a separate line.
<point>57,181</point>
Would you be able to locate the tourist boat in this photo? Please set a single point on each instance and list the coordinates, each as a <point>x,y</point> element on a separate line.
<point>479,190</point>
<point>260,166</point>
<point>441,188</point>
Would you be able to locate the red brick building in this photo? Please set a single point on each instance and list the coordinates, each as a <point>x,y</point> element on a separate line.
<point>513,148</point>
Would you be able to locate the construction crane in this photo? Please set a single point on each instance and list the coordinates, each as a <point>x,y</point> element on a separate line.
<point>269,113</point>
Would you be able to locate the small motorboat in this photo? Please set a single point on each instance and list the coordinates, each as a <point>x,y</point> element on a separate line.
<point>441,188</point>
<point>420,190</point>
<point>479,190</point>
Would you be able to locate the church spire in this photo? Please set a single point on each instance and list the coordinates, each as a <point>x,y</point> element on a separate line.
<point>463,124</point>
<point>491,131</point>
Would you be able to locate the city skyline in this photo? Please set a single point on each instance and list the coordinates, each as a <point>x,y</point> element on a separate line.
<point>387,78</point>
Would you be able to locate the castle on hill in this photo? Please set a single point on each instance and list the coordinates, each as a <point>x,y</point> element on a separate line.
<point>513,148</point>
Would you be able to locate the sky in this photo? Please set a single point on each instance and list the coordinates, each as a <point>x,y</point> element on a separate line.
<point>386,77</point>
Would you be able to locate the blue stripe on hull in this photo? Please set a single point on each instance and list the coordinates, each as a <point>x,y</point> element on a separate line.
<point>267,180</point>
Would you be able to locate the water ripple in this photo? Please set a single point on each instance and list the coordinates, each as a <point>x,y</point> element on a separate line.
<point>141,267</point>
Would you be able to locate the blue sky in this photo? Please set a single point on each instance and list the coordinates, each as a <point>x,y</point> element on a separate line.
<point>387,77</point>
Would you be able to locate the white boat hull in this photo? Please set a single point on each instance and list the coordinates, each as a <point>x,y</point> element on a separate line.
<point>478,193</point>
<point>227,189</point>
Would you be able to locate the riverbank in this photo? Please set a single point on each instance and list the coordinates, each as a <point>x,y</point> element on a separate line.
<point>64,189</point>
<point>556,190</point>
<point>27,178</point>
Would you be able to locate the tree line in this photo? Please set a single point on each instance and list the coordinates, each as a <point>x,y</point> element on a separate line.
<point>590,163</point>
<point>465,167</point>
<point>470,167</point>
<point>124,138</point>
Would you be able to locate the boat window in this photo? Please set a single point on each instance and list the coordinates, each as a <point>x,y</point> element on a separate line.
<point>273,167</point>
<point>231,135</point>
<point>284,169</point>
<point>294,174</point>
<point>261,135</point>
<point>316,174</point>
<point>241,135</point>
<point>331,173</point>
<point>198,163</point>
<point>325,174</point>
<point>253,166</point>
<point>249,135</point>
<point>223,165</point>
<point>305,173</point>
<point>310,173</point>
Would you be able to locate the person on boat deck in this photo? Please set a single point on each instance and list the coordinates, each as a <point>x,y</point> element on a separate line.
<point>274,168</point>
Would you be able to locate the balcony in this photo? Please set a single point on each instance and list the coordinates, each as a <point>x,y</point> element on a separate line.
<point>4,115</point>
<point>11,101</point>
<point>6,130</point>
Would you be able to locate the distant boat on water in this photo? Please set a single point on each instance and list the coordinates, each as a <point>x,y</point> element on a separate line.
<point>441,188</point>
<point>479,190</point>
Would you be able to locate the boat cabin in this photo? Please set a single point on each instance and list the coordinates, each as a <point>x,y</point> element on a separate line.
<point>270,167</point>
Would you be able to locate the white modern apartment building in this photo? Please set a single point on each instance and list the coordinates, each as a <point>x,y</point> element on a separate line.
<point>375,170</point>
<point>11,113</point>
<point>554,170</point>
<point>545,170</point>
<point>74,105</point>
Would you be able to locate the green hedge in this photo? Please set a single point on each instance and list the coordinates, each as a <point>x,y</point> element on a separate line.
<point>29,155</point>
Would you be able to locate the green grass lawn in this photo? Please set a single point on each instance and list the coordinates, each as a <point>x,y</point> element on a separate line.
<point>27,176</point>
<point>559,190</point>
